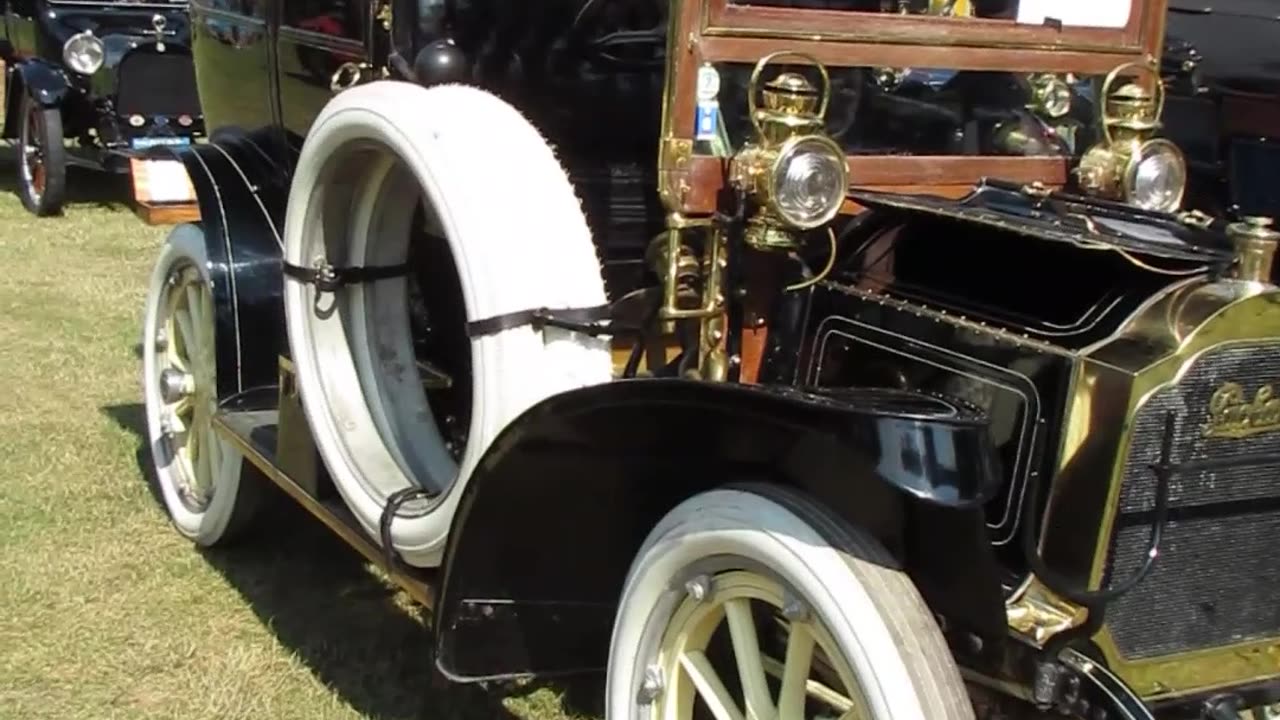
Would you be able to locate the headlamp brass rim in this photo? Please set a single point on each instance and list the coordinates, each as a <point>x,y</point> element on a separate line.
<point>1135,157</point>
<point>784,152</point>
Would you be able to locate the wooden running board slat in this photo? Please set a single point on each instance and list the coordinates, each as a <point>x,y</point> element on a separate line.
<point>254,433</point>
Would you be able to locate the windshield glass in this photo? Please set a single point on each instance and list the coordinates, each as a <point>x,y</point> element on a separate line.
<point>882,111</point>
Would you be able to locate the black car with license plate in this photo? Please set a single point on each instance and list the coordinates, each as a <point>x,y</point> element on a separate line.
<point>93,84</point>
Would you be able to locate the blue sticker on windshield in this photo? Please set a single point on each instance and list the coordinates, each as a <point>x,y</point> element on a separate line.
<point>708,120</point>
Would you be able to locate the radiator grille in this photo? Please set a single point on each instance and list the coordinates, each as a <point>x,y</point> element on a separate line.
<point>1217,579</point>
<point>151,83</point>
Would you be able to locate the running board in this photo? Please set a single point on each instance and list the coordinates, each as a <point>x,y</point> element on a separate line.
<point>256,434</point>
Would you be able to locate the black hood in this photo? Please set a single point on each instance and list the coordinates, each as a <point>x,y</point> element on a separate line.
<point>1236,39</point>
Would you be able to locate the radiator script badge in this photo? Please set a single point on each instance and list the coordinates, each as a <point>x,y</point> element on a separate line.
<point>1233,415</point>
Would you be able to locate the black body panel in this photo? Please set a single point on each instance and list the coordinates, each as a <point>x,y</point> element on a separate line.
<point>1222,67</point>
<point>553,517</point>
<point>939,296</point>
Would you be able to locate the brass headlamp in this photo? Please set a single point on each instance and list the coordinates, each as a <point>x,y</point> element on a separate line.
<point>794,172</point>
<point>1051,95</point>
<point>1131,164</point>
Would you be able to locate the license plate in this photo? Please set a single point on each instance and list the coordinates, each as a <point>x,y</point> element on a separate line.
<point>161,181</point>
<point>143,143</point>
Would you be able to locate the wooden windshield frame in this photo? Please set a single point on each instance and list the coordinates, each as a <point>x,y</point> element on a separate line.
<point>713,31</point>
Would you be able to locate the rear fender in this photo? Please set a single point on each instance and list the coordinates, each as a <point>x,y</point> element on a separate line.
<point>241,192</point>
<point>553,516</point>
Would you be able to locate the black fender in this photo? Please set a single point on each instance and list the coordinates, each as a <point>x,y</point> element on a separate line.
<point>41,79</point>
<point>44,81</point>
<point>555,512</point>
<point>242,191</point>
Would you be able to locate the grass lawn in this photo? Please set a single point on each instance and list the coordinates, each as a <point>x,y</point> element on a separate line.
<point>105,612</point>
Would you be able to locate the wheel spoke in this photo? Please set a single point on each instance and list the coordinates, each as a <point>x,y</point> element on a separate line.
<point>195,310</point>
<point>193,437</point>
<point>710,688</point>
<point>182,408</point>
<point>176,359</point>
<point>839,702</point>
<point>183,319</point>
<point>795,672</point>
<point>179,424</point>
<point>213,449</point>
<point>205,473</point>
<point>746,650</point>
<point>206,321</point>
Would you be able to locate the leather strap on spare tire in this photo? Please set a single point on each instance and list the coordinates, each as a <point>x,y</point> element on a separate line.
<point>328,278</point>
<point>594,321</point>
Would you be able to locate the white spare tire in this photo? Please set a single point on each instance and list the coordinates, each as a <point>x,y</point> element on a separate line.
<point>379,159</point>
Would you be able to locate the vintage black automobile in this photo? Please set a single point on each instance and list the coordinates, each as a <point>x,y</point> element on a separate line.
<point>1222,67</point>
<point>93,84</point>
<point>773,359</point>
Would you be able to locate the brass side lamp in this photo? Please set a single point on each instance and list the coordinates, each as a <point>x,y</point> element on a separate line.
<point>795,174</point>
<point>1130,163</point>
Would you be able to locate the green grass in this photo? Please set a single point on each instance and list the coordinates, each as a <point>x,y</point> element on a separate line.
<point>105,611</point>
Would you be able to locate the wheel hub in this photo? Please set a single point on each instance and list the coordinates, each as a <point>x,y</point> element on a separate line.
<point>175,385</point>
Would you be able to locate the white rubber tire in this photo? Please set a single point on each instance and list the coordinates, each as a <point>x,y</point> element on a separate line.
<point>236,498</point>
<point>875,614</point>
<point>519,241</point>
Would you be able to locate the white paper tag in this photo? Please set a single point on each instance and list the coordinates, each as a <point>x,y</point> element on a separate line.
<point>1076,13</point>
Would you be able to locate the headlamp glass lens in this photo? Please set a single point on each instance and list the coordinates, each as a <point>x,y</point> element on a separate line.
<point>83,53</point>
<point>1159,178</point>
<point>810,183</point>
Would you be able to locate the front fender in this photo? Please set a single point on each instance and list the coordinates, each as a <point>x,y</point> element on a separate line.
<point>555,512</point>
<point>43,81</point>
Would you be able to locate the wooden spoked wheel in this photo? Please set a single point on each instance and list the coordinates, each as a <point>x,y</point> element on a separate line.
<point>742,630</point>
<point>42,158</point>
<point>187,385</point>
<point>199,475</point>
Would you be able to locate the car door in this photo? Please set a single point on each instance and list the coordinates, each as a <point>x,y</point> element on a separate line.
<point>317,38</point>
<point>231,42</point>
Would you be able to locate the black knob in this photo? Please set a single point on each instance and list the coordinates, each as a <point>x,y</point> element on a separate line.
<point>441,62</point>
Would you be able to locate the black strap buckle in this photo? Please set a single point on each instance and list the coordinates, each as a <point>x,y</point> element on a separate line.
<point>328,278</point>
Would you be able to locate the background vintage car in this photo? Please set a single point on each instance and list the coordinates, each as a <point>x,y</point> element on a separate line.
<point>1222,63</point>
<point>113,78</point>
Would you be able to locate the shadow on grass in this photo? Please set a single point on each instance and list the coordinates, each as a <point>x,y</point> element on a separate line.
<point>85,187</point>
<point>319,599</point>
